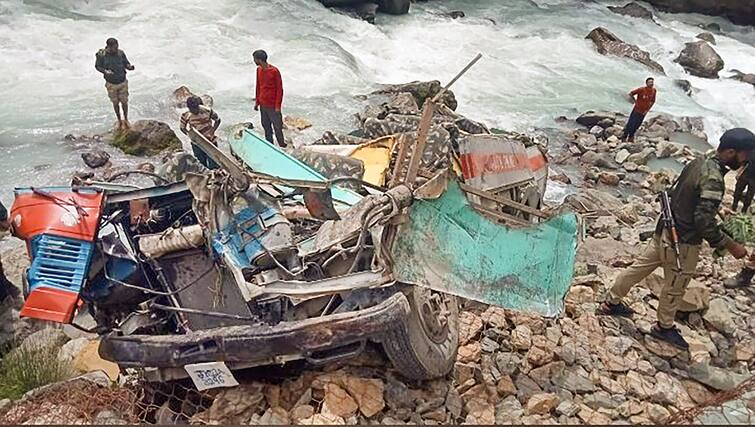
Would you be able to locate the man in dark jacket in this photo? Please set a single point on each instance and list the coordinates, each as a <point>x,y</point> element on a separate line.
<point>6,287</point>
<point>695,200</point>
<point>112,63</point>
<point>745,188</point>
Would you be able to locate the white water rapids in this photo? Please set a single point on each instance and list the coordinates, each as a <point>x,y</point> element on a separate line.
<point>537,65</point>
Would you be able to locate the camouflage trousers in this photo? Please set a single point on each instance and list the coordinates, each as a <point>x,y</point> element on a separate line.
<point>659,253</point>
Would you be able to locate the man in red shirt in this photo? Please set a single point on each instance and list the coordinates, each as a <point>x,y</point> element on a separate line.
<point>269,97</point>
<point>643,98</point>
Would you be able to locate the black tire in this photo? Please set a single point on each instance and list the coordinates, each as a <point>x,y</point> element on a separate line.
<point>425,346</point>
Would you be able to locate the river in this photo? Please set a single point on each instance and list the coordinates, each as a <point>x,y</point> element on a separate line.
<point>537,65</point>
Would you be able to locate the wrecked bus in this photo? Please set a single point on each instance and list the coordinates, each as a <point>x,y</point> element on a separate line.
<point>214,269</point>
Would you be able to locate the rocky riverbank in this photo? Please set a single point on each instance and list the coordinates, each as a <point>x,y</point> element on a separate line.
<point>738,11</point>
<point>511,367</point>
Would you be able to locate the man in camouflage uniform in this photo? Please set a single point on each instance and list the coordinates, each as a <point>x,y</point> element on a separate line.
<point>746,179</point>
<point>695,200</point>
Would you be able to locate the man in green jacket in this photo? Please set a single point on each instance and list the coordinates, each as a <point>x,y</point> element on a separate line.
<point>112,63</point>
<point>695,200</point>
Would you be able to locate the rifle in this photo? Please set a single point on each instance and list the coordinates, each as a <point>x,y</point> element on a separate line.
<point>667,219</point>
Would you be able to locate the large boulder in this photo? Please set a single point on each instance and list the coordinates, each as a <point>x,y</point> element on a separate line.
<point>147,138</point>
<point>699,59</point>
<point>394,7</point>
<point>421,91</point>
<point>632,9</point>
<point>608,43</point>
<point>738,11</point>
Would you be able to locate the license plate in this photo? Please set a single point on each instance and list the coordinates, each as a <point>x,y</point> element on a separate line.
<point>211,375</point>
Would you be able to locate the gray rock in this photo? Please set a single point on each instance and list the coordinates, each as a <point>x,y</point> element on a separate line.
<point>593,118</point>
<point>48,338</point>
<point>147,138</point>
<point>597,131</point>
<point>72,348</point>
<point>699,59</point>
<point>708,37</point>
<point>453,402</point>
<point>488,345</point>
<point>526,387</point>
<point>507,363</point>
<point>633,9</point>
<point>567,408</point>
<point>642,157</point>
<point>720,317</point>
<point>95,158</point>
<point>622,155</point>
<point>740,12</point>
<point>394,7</point>
<point>718,378</point>
<point>734,412</point>
<point>574,379</point>
<point>685,85</point>
<point>600,399</point>
<point>508,411</point>
<point>601,160</point>
<point>608,44</point>
<point>183,93</point>
<point>666,149</point>
<point>421,91</point>
<point>744,77</point>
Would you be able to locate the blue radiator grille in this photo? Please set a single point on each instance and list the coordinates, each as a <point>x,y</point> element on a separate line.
<point>59,262</point>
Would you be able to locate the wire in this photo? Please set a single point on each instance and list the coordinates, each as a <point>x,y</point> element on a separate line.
<point>203,313</point>
<point>152,291</point>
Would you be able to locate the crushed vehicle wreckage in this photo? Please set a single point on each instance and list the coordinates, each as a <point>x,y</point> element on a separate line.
<point>213,269</point>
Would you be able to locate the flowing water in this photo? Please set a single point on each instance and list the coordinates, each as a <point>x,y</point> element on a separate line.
<point>537,65</point>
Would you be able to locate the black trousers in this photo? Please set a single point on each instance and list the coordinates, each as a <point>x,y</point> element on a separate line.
<point>634,123</point>
<point>745,192</point>
<point>272,121</point>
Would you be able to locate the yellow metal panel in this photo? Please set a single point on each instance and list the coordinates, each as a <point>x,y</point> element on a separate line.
<point>376,156</point>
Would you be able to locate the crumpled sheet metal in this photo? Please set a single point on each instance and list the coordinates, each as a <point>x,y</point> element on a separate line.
<point>448,246</point>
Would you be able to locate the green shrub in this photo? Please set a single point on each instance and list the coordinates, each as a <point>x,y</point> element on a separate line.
<point>26,368</point>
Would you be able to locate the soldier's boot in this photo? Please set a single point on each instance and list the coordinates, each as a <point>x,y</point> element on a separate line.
<point>670,335</point>
<point>744,278</point>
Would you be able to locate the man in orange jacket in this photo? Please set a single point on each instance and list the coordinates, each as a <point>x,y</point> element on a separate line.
<point>644,99</point>
<point>269,98</point>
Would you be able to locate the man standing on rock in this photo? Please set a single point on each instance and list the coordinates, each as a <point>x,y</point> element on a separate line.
<point>643,98</point>
<point>695,200</point>
<point>112,63</point>
<point>204,121</point>
<point>269,97</point>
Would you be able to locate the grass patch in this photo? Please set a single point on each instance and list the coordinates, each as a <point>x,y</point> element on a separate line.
<point>25,368</point>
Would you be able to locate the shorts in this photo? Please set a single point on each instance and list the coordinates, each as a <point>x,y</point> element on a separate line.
<point>117,92</point>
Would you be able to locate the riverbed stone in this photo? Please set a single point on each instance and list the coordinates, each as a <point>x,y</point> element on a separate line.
<point>701,60</point>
